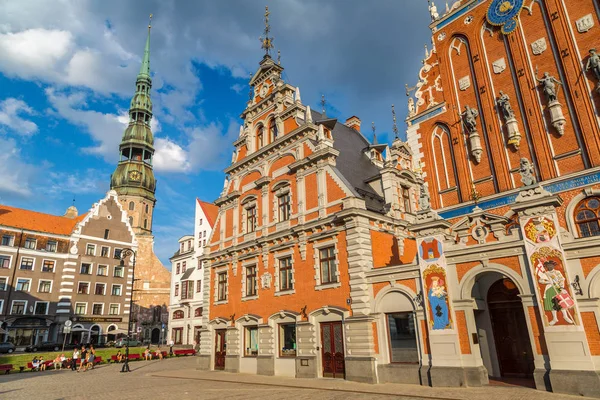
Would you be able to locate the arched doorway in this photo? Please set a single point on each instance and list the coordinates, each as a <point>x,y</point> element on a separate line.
<point>95,334</point>
<point>155,336</point>
<point>511,338</point>
<point>111,337</point>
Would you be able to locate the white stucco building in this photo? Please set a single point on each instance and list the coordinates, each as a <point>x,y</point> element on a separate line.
<point>185,306</point>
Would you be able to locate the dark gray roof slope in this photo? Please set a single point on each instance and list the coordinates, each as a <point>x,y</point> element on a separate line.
<point>188,272</point>
<point>353,164</point>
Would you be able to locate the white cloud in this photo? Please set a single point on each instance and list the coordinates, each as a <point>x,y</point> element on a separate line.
<point>170,157</point>
<point>237,88</point>
<point>15,174</point>
<point>88,181</point>
<point>10,111</point>
<point>210,146</point>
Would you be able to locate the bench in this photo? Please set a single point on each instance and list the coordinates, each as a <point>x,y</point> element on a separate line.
<point>155,354</point>
<point>6,368</point>
<point>132,356</point>
<point>97,360</point>
<point>49,363</point>
<point>185,352</point>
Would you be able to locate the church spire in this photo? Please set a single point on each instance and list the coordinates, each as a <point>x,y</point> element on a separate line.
<point>145,68</point>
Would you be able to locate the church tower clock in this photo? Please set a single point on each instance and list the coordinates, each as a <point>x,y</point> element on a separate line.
<point>133,178</point>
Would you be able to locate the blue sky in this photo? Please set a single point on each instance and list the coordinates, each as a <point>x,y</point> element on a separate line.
<point>68,69</point>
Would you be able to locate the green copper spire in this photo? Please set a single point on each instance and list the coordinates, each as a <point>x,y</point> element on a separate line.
<point>145,69</point>
<point>134,176</point>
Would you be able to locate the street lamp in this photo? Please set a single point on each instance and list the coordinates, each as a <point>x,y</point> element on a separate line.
<point>126,253</point>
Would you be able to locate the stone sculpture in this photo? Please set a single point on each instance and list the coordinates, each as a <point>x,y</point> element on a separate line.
<point>527,173</point>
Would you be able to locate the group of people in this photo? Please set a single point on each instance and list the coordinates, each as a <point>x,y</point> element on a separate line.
<point>87,357</point>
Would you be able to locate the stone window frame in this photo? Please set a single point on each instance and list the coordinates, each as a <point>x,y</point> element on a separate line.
<point>88,287</point>
<point>218,271</point>
<point>87,247</point>
<point>107,269</point>
<point>45,280</point>
<point>107,253</point>
<point>245,264</point>
<point>44,264</point>
<point>11,240</point>
<point>91,268</point>
<point>317,263</point>
<point>41,302</point>
<point>48,247</point>
<point>96,303</point>
<point>279,189</point>
<point>10,257</point>
<point>32,264</point>
<point>5,278</point>
<point>28,240</point>
<point>118,308</point>
<point>571,208</point>
<point>249,202</point>
<point>103,291</point>
<point>278,257</point>
<point>112,292</point>
<point>75,308</point>
<point>28,287</point>
<point>12,305</point>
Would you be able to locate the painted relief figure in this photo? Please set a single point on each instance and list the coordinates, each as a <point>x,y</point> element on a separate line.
<point>437,297</point>
<point>553,285</point>
<point>540,230</point>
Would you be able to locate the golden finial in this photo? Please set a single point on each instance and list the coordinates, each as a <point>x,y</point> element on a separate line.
<point>395,126</point>
<point>475,195</point>
<point>267,42</point>
<point>150,22</point>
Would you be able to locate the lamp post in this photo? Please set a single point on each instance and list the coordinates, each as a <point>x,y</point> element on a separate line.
<point>126,253</point>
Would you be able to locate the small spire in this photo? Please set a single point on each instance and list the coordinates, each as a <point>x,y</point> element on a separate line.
<point>426,52</point>
<point>145,68</point>
<point>267,42</point>
<point>278,57</point>
<point>323,105</point>
<point>308,118</point>
<point>250,90</point>
<point>298,99</point>
<point>374,134</point>
<point>395,126</point>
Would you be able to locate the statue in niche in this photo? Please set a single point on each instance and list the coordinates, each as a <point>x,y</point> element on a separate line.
<point>411,107</point>
<point>527,173</point>
<point>548,83</point>
<point>594,64</point>
<point>470,115</point>
<point>424,200</point>
<point>504,103</point>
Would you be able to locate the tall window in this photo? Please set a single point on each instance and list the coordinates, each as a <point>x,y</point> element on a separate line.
<point>18,307</point>
<point>104,251</point>
<point>285,274</point>
<point>222,286</point>
<point>177,289</point>
<point>51,246</point>
<point>23,285</point>
<point>402,337</point>
<point>30,243</point>
<point>48,266</point>
<point>90,250</point>
<point>177,335</point>
<point>131,206</point>
<point>183,266</point>
<point>198,286</point>
<point>26,264</point>
<point>83,288</point>
<point>287,340</point>
<point>272,130</point>
<point>283,203</point>
<point>157,314</point>
<point>3,283</point>
<point>251,341</point>
<point>45,286</point>
<point>97,309</point>
<point>187,290</point>
<point>406,200</point>
<point>4,262</point>
<point>251,219</point>
<point>106,233</point>
<point>587,217</point>
<point>260,137</point>
<point>251,280</point>
<point>328,267</point>
<point>178,269</point>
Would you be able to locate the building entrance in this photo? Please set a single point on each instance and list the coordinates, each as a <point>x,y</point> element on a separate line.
<point>332,350</point>
<point>220,349</point>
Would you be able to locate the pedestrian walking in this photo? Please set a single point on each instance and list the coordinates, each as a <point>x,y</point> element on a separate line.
<point>84,355</point>
<point>91,358</point>
<point>171,344</point>
<point>74,359</point>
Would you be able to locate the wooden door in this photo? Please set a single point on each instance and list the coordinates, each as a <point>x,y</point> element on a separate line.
<point>509,326</point>
<point>220,349</point>
<point>332,350</point>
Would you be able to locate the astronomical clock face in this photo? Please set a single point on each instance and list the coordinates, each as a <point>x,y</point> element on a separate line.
<point>504,13</point>
<point>135,175</point>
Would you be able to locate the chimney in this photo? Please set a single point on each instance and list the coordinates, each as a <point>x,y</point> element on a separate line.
<point>71,212</point>
<point>353,122</point>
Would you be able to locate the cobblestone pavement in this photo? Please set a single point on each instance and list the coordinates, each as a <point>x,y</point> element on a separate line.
<point>178,378</point>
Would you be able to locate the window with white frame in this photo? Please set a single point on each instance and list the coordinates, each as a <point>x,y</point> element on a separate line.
<point>118,271</point>
<point>102,270</point>
<point>251,341</point>
<point>286,278</point>
<point>30,243</point>
<point>97,308</point>
<point>176,289</point>
<point>45,286</point>
<point>80,308</point>
<point>328,265</point>
<point>282,201</point>
<point>116,290</point>
<point>1,306</point>
<point>83,288</point>
<point>100,289</point>
<point>48,265</point>
<point>222,286</point>
<point>104,251</point>
<point>41,307</point>
<point>251,282</point>
<point>113,309</point>
<point>251,218</point>
<point>287,340</point>
<point>23,285</point>
<point>86,269</point>
<point>118,253</point>
<point>18,307</point>
<point>4,262</point>
<point>90,249</point>
<point>27,263</point>
<point>8,240</point>
<point>406,200</point>
<point>51,246</point>
<point>3,283</point>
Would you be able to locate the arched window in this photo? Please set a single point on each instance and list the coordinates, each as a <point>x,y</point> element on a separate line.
<point>198,312</point>
<point>178,314</point>
<point>145,223</point>
<point>147,208</point>
<point>131,221</point>
<point>272,130</point>
<point>587,217</point>
<point>131,206</point>
<point>260,137</point>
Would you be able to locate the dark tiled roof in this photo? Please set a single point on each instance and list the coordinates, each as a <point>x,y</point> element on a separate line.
<point>188,272</point>
<point>353,163</point>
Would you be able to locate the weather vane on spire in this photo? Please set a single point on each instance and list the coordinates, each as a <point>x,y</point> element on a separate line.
<point>150,22</point>
<point>323,103</point>
<point>395,127</point>
<point>374,134</point>
<point>267,42</point>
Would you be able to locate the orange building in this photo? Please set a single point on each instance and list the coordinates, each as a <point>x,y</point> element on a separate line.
<point>466,253</point>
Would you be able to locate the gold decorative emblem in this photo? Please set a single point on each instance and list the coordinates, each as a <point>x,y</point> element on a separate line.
<point>504,7</point>
<point>135,175</point>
